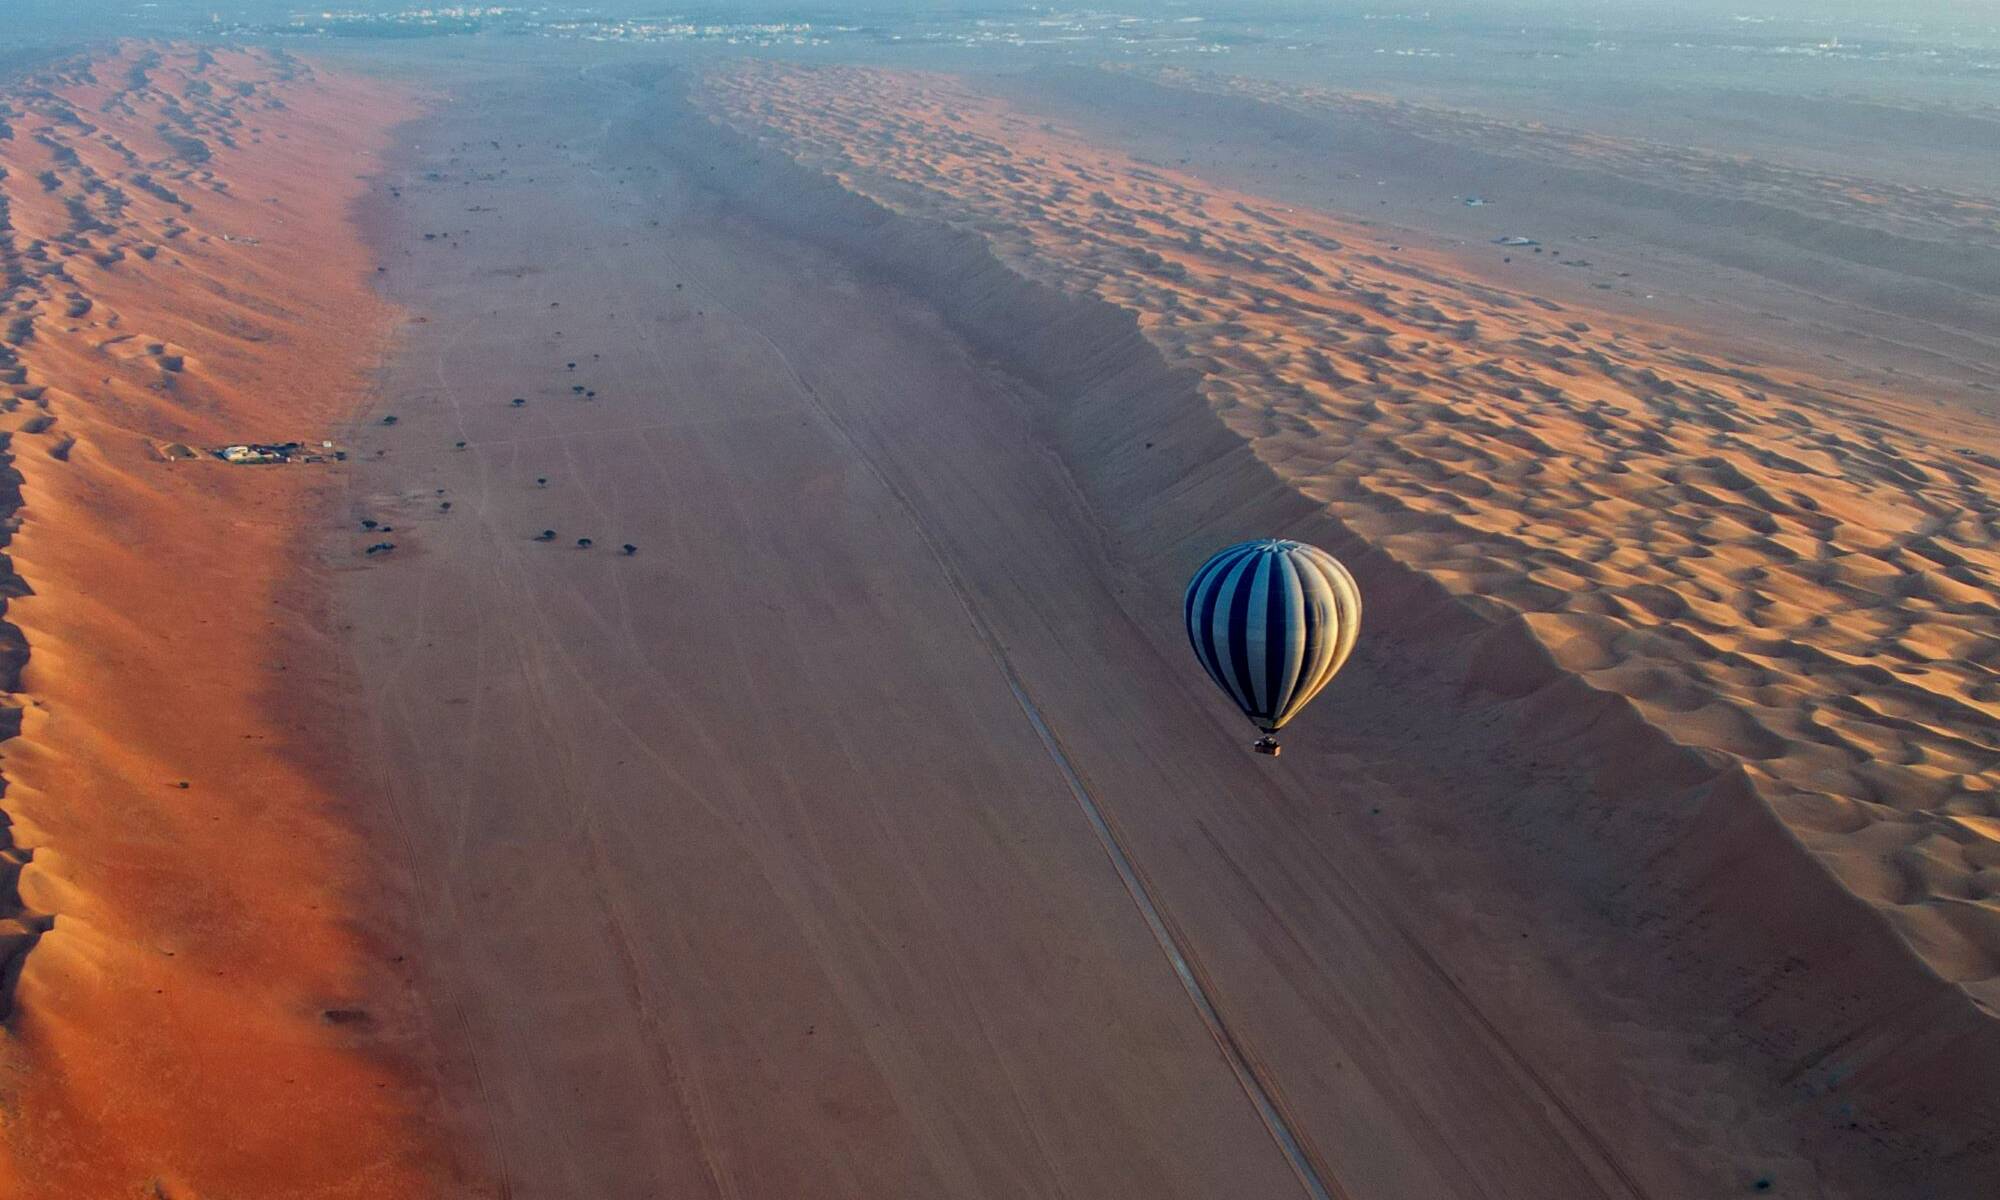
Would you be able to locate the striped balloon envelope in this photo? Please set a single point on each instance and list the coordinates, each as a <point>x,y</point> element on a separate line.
<point>1271,621</point>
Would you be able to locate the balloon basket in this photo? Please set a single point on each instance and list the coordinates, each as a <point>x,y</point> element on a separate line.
<point>1267,745</point>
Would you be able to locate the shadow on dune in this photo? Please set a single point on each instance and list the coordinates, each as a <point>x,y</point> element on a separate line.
<point>20,926</point>
<point>1693,896</point>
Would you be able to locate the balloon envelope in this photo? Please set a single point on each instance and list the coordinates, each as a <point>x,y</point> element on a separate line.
<point>1271,621</point>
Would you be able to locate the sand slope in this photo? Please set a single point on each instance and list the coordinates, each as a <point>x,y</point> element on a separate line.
<point>204,1011</point>
<point>741,873</point>
<point>1773,570</point>
<point>742,868</point>
<point>1625,810</point>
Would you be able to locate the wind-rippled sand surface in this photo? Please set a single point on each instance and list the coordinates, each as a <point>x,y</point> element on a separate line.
<point>1777,570</point>
<point>1819,193</point>
<point>198,1009</point>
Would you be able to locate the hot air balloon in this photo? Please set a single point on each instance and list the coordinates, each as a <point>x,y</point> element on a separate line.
<point>1271,621</point>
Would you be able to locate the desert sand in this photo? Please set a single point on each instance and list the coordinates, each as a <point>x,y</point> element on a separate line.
<point>1856,240</point>
<point>1772,568</point>
<point>749,863</point>
<point>1758,581</point>
<point>765,760</point>
<point>201,1004</point>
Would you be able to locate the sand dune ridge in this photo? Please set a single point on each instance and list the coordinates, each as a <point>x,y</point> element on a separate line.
<point>21,925</point>
<point>176,269</point>
<point>1743,648</point>
<point>1771,568</point>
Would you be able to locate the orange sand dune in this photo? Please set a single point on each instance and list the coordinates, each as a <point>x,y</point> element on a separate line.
<point>1782,575</point>
<point>198,1008</point>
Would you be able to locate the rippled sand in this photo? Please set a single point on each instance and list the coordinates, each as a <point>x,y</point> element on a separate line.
<point>198,1008</point>
<point>1776,569</point>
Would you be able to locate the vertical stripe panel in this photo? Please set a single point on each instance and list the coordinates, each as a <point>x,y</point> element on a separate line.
<point>1342,601</point>
<point>1197,615</point>
<point>1321,617</point>
<point>1278,632</point>
<point>1221,629</point>
<point>1290,664</point>
<point>1243,581</point>
<point>1256,634</point>
<point>1215,601</point>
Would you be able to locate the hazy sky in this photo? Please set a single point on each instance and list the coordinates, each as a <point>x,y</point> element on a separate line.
<point>1883,10</point>
<point>22,20</point>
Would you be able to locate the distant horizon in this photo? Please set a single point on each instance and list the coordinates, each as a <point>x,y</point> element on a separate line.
<point>1974,13</point>
<point>1933,51</point>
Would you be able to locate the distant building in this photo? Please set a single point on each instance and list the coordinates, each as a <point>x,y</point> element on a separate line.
<point>253,453</point>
